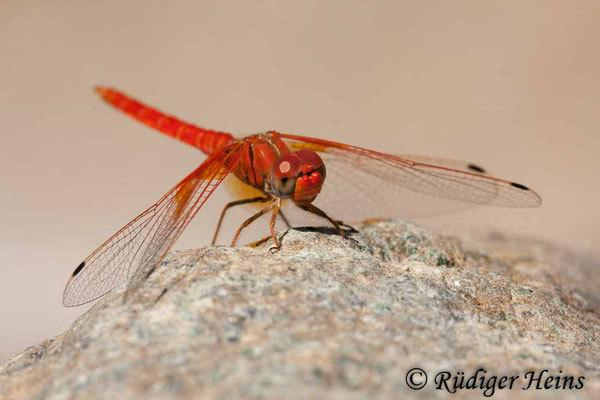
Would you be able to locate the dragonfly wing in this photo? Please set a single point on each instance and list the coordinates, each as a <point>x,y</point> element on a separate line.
<point>132,253</point>
<point>364,183</point>
<point>446,162</point>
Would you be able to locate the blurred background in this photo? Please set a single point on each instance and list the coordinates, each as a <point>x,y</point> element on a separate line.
<point>512,86</point>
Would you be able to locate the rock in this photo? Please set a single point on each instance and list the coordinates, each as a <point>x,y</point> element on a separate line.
<point>330,318</point>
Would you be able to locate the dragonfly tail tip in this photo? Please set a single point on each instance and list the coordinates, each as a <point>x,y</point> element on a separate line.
<point>101,90</point>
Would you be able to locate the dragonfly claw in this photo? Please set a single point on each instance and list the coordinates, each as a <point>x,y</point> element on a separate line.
<point>274,249</point>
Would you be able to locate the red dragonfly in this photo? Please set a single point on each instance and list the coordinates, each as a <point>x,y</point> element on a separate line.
<point>280,168</point>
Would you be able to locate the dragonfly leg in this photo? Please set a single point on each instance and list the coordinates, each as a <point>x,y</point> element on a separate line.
<point>263,240</point>
<point>277,204</point>
<point>259,242</point>
<point>233,204</point>
<point>317,211</point>
<point>252,219</point>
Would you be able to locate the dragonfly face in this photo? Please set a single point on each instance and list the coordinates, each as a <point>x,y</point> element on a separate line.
<point>299,175</point>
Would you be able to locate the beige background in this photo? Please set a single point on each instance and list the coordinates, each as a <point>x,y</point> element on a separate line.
<point>513,86</point>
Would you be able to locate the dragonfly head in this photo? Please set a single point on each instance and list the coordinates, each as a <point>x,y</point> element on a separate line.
<point>299,176</point>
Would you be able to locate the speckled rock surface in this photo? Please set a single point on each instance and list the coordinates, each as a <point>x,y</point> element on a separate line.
<point>328,318</point>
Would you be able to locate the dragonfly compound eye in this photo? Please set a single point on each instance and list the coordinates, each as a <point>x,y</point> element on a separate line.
<point>285,173</point>
<point>312,176</point>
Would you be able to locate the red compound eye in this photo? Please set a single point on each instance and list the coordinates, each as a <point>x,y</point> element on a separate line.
<point>310,161</point>
<point>299,175</point>
<point>285,172</point>
<point>311,178</point>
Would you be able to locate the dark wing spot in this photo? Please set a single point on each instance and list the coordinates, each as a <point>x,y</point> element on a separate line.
<point>78,269</point>
<point>476,168</point>
<point>519,186</point>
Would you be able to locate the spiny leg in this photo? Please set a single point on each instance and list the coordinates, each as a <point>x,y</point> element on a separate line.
<point>273,220</point>
<point>233,204</point>
<point>259,242</point>
<point>317,211</point>
<point>251,219</point>
<point>264,239</point>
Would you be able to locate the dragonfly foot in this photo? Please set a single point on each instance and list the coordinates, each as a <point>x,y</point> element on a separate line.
<point>274,249</point>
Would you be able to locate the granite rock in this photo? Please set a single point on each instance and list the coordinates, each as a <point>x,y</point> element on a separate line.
<point>330,318</point>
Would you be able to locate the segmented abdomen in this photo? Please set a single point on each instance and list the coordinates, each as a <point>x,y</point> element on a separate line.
<point>206,140</point>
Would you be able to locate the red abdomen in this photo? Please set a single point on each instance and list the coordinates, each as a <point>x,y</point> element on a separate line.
<point>206,140</point>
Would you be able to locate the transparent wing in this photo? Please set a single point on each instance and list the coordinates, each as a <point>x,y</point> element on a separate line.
<point>132,253</point>
<point>362,183</point>
<point>445,162</point>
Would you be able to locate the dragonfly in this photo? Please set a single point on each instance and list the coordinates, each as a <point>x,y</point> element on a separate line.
<point>299,172</point>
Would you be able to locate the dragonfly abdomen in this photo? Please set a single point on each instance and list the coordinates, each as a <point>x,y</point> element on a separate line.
<point>208,141</point>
